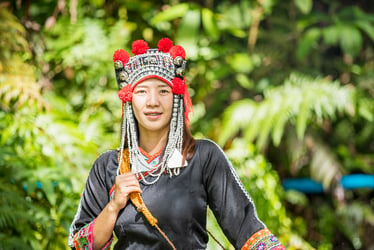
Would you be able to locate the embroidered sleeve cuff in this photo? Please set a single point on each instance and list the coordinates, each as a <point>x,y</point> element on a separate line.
<point>263,240</point>
<point>83,239</point>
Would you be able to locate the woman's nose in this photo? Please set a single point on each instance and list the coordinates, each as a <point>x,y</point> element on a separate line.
<point>152,99</point>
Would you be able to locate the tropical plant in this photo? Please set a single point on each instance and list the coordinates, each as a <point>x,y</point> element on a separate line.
<point>286,87</point>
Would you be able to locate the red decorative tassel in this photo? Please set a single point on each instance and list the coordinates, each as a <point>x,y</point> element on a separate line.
<point>125,94</point>
<point>121,55</point>
<point>139,47</point>
<point>164,45</point>
<point>177,50</point>
<point>187,103</point>
<point>178,86</point>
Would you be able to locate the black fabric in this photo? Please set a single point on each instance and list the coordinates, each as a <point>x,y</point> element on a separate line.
<point>179,203</point>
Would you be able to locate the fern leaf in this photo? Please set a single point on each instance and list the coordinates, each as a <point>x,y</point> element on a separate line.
<point>299,102</point>
<point>236,117</point>
<point>324,167</point>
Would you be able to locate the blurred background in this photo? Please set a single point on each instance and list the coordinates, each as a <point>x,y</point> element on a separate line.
<point>285,87</point>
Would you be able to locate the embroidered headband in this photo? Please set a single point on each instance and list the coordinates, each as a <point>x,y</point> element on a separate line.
<point>167,63</point>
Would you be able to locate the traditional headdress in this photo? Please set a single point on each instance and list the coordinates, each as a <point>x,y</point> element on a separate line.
<point>167,63</point>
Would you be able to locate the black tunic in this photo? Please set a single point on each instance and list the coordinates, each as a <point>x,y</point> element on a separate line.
<point>179,203</point>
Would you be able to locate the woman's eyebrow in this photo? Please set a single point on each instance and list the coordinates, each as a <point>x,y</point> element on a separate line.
<point>163,85</point>
<point>141,86</point>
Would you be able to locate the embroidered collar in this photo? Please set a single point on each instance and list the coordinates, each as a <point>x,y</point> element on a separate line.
<point>153,161</point>
<point>151,158</point>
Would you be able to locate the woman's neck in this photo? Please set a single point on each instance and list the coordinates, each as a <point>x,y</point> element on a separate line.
<point>152,142</point>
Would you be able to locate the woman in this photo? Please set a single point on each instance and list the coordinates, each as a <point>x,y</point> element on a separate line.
<point>160,162</point>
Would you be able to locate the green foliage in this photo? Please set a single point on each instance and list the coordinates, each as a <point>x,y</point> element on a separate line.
<point>264,187</point>
<point>299,101</point>
<point>304,6</point>
<point>58,106</point>
<point>346,30</point>
<point>171,13</point>
<point>42,159</point>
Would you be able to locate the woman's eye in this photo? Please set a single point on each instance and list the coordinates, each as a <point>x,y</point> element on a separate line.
<point>164,91</point>
<point>140,91</point>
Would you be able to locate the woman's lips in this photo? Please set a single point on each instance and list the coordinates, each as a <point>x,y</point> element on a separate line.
<point>153,115</point>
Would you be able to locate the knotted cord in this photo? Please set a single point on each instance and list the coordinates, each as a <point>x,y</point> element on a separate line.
<point>137,200</point>
<point>215,239</point>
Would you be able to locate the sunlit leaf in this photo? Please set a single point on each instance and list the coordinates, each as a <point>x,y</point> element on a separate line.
<point>209,23</point>
<point>350,40</point>
<point>187,34</point>
<point>305,6</point>
<point>324,166</point>
<point>302,119</point>
<point>308,42</point>
<point>366,109</point>
<point>49,190</point>
<point>331,35</point>
<point>241,63</point>
<point>297,102</point>
<point>279,126</point>
<point>235,117</point>
<point>367,27</point>
<point>170,13</point>
<point>244,81</point>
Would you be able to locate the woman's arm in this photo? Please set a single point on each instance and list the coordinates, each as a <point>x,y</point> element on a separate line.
<point>105,222</point>
<point>232,205</point>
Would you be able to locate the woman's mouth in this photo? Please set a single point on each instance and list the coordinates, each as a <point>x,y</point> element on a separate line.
<point>153,115</point>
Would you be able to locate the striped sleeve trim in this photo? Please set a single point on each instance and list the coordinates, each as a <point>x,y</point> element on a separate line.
<point>263,240</point>
<point>83,239</point>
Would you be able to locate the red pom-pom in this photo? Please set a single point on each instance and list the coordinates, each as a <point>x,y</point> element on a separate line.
<point>177,50</point>
<point>125,94</point>
<point>164,45</point>
<point>139,47</point>
<point>178,86</point>
<point>121,55</point>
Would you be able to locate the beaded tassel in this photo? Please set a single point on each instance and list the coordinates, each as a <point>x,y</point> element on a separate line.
<point>175,142</point>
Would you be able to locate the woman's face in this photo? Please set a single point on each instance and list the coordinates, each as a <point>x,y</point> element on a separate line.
<point>152,104</point>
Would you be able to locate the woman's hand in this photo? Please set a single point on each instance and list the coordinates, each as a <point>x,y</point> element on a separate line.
<point>104,225</point>
<point>125,184</point>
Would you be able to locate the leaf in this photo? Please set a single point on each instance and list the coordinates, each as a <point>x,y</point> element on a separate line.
<point>324,167</point>
<point>297,102</point>
<point>253,129</point>
<point>365,109</point>
<point>367,27</point>
<point>49,191</point>
<point>331,35</point>
<point>350,40</point>
<point>241,63</point>
<point>187,34</point>
<point>267,4</point>
<point>235,117</point>
<point>279,125</point>
<point>302,119</point>
<point>170,13</point>
<point>305,6</point>
<point>244,81</point>
<point>209,23</point>
<point>266,125</point>
<point>307,42</point>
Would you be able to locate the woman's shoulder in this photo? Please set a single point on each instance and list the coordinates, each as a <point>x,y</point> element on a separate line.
<point>107,155</point>
<point>106,161</point>
<point>211,156</point>
<point>207,144</point>
<point>208,148</point>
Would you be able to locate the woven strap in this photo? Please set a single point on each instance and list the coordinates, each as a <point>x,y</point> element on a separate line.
<point>137,200</point>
